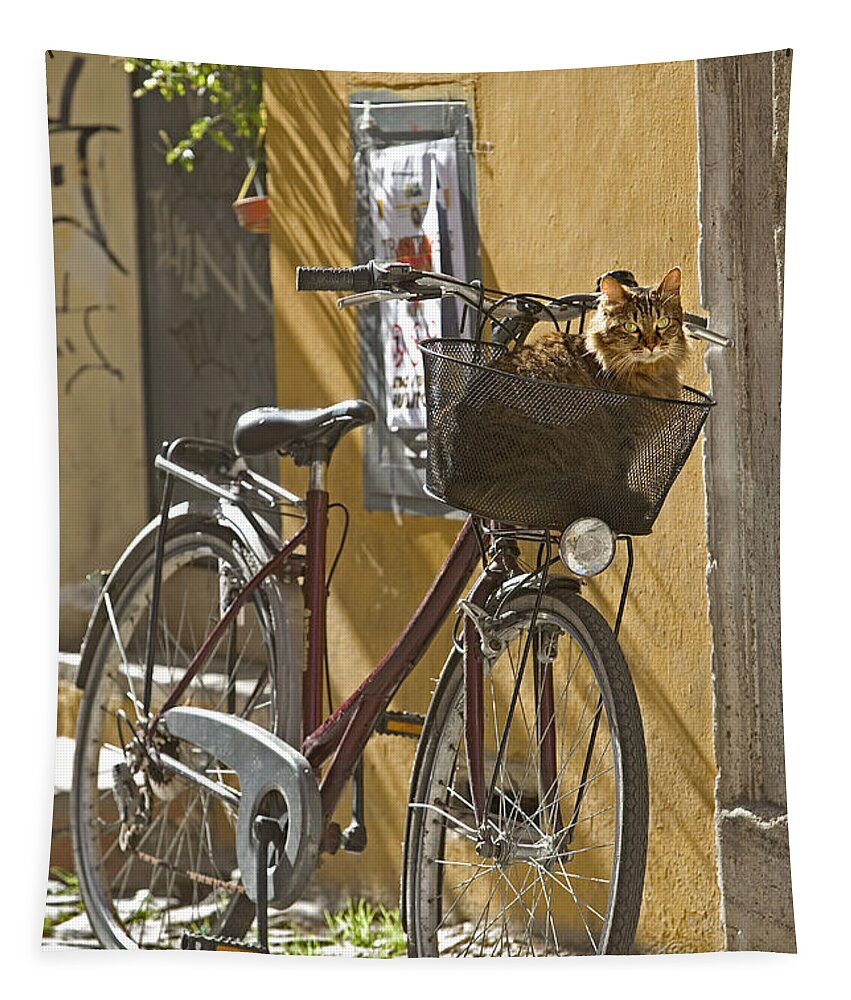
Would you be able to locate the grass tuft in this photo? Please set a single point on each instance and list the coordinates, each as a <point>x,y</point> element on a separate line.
<point>360,924</point>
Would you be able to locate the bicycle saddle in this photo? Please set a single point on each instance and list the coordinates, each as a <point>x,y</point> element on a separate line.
<point>299,433</point>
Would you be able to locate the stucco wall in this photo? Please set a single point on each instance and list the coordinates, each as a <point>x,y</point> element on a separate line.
<point>103,496</point>
<point>590,170</point>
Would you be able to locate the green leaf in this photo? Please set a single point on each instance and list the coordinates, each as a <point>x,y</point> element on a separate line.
<point>220,139</point>
<point>233,93</point>
<point>199,127</point>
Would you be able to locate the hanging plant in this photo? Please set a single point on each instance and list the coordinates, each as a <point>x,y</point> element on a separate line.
<point>235,120</point>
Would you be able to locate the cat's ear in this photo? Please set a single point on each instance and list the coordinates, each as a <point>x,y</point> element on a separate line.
<point>669,286</point>
<point>613,289</point>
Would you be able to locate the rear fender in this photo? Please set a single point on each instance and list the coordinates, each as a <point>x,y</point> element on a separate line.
<point>283,601</point>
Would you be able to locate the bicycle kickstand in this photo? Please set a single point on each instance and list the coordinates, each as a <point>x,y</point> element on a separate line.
<point>266,831</point>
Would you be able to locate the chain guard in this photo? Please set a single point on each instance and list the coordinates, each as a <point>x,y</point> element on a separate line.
<point>265,764</point>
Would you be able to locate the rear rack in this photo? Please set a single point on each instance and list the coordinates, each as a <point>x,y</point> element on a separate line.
<point>232,475</point>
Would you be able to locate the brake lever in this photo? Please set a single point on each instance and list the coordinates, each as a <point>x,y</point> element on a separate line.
<point>704,333</point>
<point>368,298</point>
<point>387,295</point>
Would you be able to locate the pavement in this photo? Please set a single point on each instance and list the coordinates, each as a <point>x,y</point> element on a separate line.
<point>302,929</point>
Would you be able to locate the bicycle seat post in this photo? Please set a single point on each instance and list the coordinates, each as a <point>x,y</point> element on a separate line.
<point>314,589</point>
<point>318,473</point>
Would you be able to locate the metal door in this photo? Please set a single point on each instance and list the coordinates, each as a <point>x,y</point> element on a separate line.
<point>207,300</point>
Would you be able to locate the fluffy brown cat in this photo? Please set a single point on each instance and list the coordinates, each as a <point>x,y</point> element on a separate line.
<point>634,343</point>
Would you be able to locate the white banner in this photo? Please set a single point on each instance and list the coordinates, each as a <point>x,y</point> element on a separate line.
<point>416,217</point>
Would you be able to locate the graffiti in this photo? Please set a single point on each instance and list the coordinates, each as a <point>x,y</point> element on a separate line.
<point>199,346</point>
<point>81,326</point>
<point>183,252</point>
<point>87,355</point>
<point>91,225</point>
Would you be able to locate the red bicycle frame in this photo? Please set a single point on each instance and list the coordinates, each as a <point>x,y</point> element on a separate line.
<point>344,734</point>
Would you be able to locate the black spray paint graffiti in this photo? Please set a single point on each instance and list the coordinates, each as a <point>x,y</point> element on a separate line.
<point>92,225</point>
<point>79,326</point>
<point>66,347</point>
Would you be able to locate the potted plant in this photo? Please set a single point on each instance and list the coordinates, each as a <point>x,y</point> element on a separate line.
<point>235,121</point>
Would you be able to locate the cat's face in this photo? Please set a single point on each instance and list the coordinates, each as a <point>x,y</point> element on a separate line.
<point>635,327</point>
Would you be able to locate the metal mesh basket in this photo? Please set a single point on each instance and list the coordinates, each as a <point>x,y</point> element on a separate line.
<point>541,454</point>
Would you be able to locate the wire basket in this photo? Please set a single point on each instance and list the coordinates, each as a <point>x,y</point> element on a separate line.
<point>541,454</point>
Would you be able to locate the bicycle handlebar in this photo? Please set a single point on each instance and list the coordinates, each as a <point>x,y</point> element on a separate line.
<point>384,281</point>
<point>335,279</point>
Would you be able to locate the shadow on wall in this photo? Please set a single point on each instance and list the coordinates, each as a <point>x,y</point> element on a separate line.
<point>388,565</point>
<point>538,232</point>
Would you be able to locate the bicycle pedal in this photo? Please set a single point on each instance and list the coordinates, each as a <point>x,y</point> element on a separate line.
<point>353,838</point>
<point>201,942</point>
<point>408,724</point>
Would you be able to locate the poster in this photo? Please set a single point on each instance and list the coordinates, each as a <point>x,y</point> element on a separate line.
<point>416,218</point>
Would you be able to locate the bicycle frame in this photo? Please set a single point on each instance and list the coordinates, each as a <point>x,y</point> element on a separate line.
<point>344,734</point>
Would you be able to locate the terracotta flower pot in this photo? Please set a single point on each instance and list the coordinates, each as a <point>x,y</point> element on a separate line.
<point>253,214</point>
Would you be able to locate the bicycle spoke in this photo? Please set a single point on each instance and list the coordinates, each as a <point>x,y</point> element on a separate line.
<point>137,704</point>
<point>481,915</point>
<point>446,815</point>
<point>518,898</point>
<point>581,914</point>
<point>464,886</point>
<point>543,893</point>
<point>189,836</point>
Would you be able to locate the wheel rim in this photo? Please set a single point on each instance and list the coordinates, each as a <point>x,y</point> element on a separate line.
<point>549,883</point>
<point>180,873</point>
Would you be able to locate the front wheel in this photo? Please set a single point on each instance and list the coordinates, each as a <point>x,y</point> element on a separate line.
<point>557,866</point>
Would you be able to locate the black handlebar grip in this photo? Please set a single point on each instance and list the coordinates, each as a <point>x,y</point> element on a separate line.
<point>335,279</point>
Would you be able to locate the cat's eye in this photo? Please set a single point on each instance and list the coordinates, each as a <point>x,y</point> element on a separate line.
<point>630,328</point>
<point>663,323</point>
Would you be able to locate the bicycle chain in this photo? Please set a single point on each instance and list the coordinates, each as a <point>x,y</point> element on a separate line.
<point>210,880</point>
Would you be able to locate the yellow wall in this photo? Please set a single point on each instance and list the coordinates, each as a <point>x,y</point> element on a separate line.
<point>103,494</point>
<point>590,170</point>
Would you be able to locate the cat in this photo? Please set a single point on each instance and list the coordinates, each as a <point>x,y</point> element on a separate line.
<point>634,342</point>
<point>574,453</point>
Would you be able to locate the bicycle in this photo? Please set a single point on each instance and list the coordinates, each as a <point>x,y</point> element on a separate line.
<point>205,776</point>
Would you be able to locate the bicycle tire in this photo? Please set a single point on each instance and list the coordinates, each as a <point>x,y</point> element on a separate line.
<point>143,904</point>
<point>448,889</point>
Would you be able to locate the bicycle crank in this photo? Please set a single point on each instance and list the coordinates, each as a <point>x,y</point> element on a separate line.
<point>274,780</point>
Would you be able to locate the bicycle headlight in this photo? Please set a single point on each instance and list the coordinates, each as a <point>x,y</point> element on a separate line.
<point>587,546</point>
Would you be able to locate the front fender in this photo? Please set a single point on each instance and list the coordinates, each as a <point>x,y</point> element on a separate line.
<point>525,582</point>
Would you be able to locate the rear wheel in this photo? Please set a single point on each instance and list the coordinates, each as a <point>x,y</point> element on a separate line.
<point>168,864</point>
<point>557,867</point>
